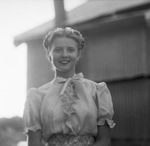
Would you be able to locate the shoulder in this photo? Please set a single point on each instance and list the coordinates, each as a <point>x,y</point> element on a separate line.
<point>38,93</point>
<point>88,81</point>
<point>101,86</point>
<point>94,88</point>
<point>94,84</point>
<point>45,87</point>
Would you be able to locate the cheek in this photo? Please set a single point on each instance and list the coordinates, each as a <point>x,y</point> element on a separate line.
<point>78,56</point>
<point>53,56</point>
<point>75,58</point>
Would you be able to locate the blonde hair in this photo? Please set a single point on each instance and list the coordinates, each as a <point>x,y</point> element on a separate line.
<point>63,32</point>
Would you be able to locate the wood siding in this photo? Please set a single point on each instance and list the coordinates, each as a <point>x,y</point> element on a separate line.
<point>131,99</point>
<point>116,54</point>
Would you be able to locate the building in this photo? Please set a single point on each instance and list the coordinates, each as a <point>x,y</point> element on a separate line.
<point>117,35</point>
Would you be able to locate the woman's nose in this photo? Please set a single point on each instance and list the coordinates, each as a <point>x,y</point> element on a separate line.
<point>65,53</point>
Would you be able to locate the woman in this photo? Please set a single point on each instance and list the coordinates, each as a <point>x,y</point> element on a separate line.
<point>70,110</point>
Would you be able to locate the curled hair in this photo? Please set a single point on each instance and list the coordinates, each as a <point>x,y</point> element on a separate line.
<point>63,32</point>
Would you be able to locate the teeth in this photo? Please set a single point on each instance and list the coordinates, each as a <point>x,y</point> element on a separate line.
<point>64,61</point>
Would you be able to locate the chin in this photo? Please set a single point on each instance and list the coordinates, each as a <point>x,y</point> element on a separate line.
<point>65,70</point>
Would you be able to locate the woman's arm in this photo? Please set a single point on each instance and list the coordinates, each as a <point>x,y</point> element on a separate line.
<point>103,136</point>
<point>35,138</point>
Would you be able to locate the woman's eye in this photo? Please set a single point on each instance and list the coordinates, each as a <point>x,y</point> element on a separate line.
<point>57,50</point>
<point>70,50</point>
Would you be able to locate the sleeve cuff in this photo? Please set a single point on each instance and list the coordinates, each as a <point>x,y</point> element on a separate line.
<point>109,122</point>
<point>32,128</point>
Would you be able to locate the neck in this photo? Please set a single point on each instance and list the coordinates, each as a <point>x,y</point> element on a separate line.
<point>64,74</point>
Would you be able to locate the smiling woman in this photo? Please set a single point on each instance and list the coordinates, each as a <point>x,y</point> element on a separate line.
<point>70,110</point>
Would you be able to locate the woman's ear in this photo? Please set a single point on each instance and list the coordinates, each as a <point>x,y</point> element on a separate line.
<point>49,56</point>
<point>50,59</point>
<point>79,53</point>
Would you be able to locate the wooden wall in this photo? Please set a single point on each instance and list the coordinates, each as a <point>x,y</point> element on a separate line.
<point>131,99</point>
<point>116,53</point>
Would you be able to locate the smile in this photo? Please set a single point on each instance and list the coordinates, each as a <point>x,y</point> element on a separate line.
<point>64,61</point>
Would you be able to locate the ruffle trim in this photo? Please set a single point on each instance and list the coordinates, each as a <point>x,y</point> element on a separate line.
<point>32,128</point>
<point>68,97</point>
<point>109,122</point>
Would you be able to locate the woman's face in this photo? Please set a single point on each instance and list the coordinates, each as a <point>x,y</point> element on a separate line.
<point>64,54</point>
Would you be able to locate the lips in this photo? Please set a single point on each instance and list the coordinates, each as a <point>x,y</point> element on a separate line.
<point>64,61</point>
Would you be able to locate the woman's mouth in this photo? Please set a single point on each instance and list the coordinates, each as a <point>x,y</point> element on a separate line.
<point>64,61</point>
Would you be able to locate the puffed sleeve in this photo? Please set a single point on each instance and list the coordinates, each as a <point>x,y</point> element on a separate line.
<point>31,114</point>
<point>105,105</point>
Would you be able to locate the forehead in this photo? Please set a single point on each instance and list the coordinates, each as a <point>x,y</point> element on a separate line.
<point>64,41</point>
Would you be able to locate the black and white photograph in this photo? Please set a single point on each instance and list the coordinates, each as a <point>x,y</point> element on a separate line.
<point>75,73</point>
